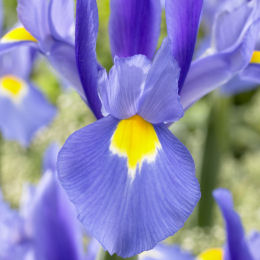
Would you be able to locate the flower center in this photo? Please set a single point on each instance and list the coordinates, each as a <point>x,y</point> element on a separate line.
<point>255,57</point>
<point>12,87</point>
<point>212,254</point>
<point>18,34</point>
<point>135,139</point>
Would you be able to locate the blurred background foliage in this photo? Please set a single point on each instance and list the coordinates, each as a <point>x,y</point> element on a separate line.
<point>222,133</point>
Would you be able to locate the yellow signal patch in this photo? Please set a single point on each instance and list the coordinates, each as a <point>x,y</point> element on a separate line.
<point>12,87</point>
<point>135,139</point>
<point>255,57</point>
<point>18,34</point>
<point>212,254</point>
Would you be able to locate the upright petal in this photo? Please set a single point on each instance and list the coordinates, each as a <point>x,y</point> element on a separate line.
<point>214,70</point>
<point>134,27</point>
<point>62,57</point>
<point>55,230</point>
<point>182,17</point>
<point>236,247</point>
<point>62,26</point>
<point>125,85</point>
<point>23,110</point>
<point>126,213</point>
<point>230,25</point>
<point>34,16</point>
<point>86,35</point>
<point>160,101</point>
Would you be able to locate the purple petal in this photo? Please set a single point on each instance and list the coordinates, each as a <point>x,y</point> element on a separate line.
<point>238,85</point>
<point>134,27</point>
<point>182,18</point>
<point>212,71</point>
<point>127,216</point>
<point>50,158</point>
<point>86,35</point>
<point>236,247</point>
<point>166,252</point>
<point>160,101</point>
<point>62,57</point>
<point>62,26</point>
<point>21,121</point>
<point>55,230</point>
<point>93,249</point>
<point>125,85</point>
<point>254,245</point>
<point>6,47</point>
<point>18,62</point>
<point>229,25</point>
<point>34,16</point>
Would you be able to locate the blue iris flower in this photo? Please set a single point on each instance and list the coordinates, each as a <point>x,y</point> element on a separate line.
<point>132,182</point>
<point>48,26</point>
<point>45,226</point>
<point>232,20</point>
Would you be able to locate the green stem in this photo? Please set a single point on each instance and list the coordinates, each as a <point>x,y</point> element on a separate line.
<point>214,148</point>
<point>106,256</point>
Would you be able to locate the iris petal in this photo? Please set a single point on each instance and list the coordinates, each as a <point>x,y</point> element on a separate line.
<point>237,247</point>
<point>156,106</point>
<point>125,86</point>
<point>134,27</point>
<point>85,47</point>
<point>182,18</point>
<point>62,27</point>
<point>34,16</point>
<point>166,252</point>
<point>20,121</point>
<point>127,216</point>
<point>224,35</point>
<point>215,70</point>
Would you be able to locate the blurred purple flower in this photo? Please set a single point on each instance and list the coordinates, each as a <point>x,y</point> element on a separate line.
<point>23,108</point>
<point>231,22</point>
<point>46,226</point>
<point>48,26</point>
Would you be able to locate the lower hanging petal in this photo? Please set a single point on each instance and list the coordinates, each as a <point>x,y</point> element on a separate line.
<point>126,213</point>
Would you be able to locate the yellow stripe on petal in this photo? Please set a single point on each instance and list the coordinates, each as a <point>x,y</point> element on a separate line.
<point>12,87</point>
<point>18,34</point>
<point>135,139</point>
<point>255,57</point>
<point>212,254</point>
